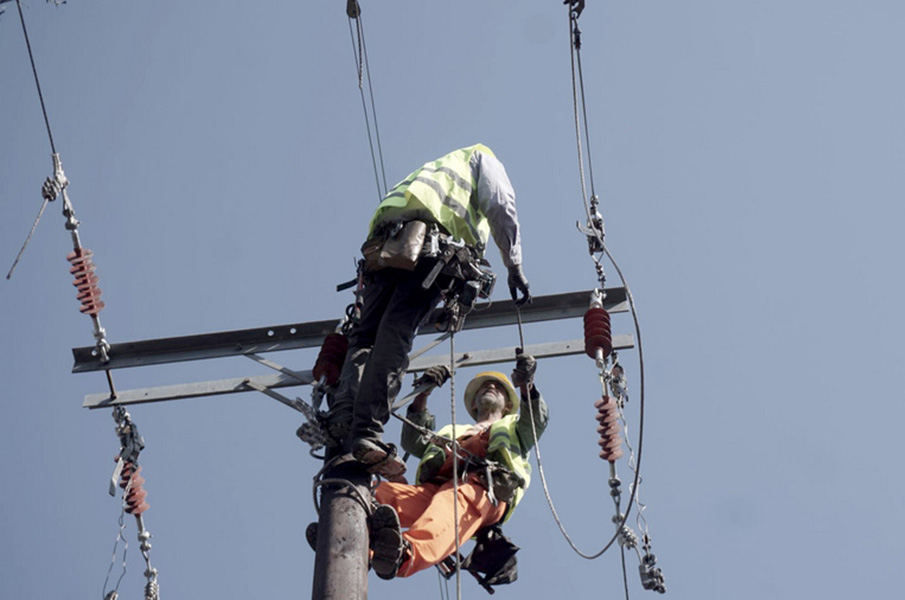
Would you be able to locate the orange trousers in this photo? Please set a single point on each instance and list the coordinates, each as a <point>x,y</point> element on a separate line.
<point>427,511</point>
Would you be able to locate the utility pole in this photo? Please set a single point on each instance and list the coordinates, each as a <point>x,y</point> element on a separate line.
<point>341,564</point>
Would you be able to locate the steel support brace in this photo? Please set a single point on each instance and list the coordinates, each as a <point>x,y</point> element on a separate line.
<point>312,334</point>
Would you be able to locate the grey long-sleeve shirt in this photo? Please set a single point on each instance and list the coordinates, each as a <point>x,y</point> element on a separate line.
<point>496,199</point>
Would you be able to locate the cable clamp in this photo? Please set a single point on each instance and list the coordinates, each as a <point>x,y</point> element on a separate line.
<point>594,230</point>
<point>651,577</point>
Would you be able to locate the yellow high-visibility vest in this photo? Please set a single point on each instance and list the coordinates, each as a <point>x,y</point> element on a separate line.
<point>444,192</point>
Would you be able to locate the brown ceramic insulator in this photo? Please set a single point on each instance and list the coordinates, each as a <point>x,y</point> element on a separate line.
<point>135,497</point>
<point>597,334</point>
<point>85,281</point>
<point>126,474</point>
<point>330,360</point>
<point>609,429</point>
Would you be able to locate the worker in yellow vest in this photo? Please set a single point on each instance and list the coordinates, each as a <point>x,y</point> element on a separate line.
<point>425,244</point>
<point>492,465</point>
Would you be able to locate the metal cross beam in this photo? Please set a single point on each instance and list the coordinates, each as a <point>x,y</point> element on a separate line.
<point>281,379</point>
<point>250,342</point>
<point>312,334</point>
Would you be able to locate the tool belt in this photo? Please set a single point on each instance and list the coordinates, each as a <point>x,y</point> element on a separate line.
<point>401,244</point>
<point>395,244</point>
<point>497,479</point>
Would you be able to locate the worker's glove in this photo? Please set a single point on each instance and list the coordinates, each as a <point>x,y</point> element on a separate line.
<point>523,373</point>
<point>517,281</point>
<point>436,376</point>
<point>577,6</point>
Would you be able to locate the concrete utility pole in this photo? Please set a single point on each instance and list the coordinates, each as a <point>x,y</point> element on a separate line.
<point>341,564</point>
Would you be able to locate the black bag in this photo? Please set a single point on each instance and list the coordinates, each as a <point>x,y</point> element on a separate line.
<point>492,561</point>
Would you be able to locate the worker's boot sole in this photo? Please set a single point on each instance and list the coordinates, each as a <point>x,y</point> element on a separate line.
<point>378,458</point>
<point>311,535</point>
<point>386,542</point>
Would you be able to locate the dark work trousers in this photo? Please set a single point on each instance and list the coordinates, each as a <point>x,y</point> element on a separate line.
<point>393,306</point>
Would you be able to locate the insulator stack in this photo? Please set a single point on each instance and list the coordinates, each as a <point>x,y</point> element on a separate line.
<point>597,333</point>
<point>152,590</point>
<point>331,358</point>
<point>136,494</point>
<point>85,281</point>
<point>609,429</point>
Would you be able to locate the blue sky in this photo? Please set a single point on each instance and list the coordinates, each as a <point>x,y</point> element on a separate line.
<point>749,161</point>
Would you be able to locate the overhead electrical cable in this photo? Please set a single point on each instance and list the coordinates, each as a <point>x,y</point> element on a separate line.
<point>53,149</point>
<point>363,68</point>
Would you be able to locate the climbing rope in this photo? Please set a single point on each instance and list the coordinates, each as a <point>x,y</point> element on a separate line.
<point>319,481</point>
<point>363,68</point>
<point>444,586</point>
<point>452,406</point>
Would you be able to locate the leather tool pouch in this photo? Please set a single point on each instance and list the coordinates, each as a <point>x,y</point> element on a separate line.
<point>398,247</point>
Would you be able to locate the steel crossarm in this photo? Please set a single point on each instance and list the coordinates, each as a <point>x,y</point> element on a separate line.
<point>310,335</point>
<point>296,378</point>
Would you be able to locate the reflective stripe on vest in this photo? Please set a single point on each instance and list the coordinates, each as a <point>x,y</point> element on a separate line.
<point>445,189</point>
<point>504,443</point>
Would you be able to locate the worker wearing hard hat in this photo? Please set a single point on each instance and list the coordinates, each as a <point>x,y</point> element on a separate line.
<point>492,464</point>
<point>425,243</point>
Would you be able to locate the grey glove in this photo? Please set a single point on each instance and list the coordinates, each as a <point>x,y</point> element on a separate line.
<point>436,376</point>
<point>517,281</point>
<point>525,366</point>
<point>577,6</point>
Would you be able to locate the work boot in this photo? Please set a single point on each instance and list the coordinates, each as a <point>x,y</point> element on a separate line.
<point>311,535</point>
<point>378,458</point>
<point>387,543</point>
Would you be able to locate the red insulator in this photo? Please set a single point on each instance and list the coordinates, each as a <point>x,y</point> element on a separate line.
<point>331,358</point>
<point>609,429</point>
<point>85,281</point>
<point>135,498</point>
<point>597,335</point>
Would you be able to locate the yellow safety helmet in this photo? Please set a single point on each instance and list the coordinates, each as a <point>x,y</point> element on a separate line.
<point>471,391</point>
